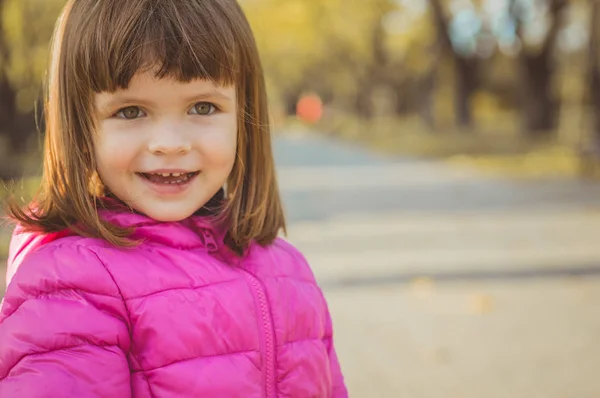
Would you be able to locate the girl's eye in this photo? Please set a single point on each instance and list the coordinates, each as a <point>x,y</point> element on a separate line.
<point>203,108</point>
<point>131,112</point>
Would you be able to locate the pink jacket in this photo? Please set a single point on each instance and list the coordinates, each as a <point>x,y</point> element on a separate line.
<point>179,316</point>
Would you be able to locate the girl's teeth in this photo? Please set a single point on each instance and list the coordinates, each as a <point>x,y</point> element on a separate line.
<point>170,178</point>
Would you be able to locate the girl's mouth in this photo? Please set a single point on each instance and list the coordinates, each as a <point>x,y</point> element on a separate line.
<point>169,178</point>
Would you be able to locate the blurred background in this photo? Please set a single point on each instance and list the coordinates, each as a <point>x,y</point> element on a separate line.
<point>440,163</point>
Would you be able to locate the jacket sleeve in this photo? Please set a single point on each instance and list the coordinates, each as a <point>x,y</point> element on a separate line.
<point>63,328</point>
<point>339,389</point>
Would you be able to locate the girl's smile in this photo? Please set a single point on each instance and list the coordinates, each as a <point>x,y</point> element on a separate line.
<point>169,182</point>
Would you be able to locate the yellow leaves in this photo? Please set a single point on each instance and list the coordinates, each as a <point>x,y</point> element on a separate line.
<point>299,39</point>
<point>410,35</point>
<point>287,37</point>
<point>422,287</point>
<point>476,303</point>
<point>27,45</point>
<point>480,304</point>
<point>282,25</point>
<point>12,22</point>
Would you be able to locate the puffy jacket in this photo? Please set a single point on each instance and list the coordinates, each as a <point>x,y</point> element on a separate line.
<point>177,316</point>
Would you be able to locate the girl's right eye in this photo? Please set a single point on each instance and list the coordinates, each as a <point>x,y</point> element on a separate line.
<point>129,113</point>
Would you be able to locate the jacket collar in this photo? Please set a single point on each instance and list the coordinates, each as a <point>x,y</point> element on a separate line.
<point>197,231</point>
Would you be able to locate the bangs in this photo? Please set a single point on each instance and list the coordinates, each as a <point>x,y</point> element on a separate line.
<point>183,40</point>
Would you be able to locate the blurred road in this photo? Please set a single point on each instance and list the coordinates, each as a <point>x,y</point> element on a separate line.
<point>446,283</point>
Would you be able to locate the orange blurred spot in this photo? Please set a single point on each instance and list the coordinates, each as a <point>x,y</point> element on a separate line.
<point>309,108</point>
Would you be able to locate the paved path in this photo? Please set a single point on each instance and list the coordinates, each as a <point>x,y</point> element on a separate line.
<point>446,283</point>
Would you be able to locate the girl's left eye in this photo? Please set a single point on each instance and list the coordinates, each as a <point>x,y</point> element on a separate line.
<point>203,108</point>
<point>130,113</point>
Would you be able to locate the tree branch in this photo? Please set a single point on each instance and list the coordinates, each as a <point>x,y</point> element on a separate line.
<point>557,8</point>
<point>441,22</point>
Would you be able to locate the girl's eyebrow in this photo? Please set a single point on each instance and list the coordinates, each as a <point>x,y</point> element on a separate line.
<point>117,101</point>
<point>211,95</point>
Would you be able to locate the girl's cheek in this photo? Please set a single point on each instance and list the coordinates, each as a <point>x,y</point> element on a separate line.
<point>117,150</point>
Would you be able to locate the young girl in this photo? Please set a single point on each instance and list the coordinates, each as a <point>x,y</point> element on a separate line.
<point>149,264</point>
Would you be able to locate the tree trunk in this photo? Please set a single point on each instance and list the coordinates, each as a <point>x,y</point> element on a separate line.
<point>465,70</point>
<point>375,73</point>
<point>7,94</point>
<point>539,105</point>
<point>427,102</point>
<point>7,106</point>
<point>364,98</point>
<point>594,73</point>
<point>466,84</point>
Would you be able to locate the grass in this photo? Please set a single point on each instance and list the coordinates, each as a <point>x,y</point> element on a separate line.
<point>551,161</point>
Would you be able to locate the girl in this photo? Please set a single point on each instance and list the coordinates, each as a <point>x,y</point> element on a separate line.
<point>149,264</point>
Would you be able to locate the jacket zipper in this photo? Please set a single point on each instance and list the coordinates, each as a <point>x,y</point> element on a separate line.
<point>268,340</point>
<point>268,333</point>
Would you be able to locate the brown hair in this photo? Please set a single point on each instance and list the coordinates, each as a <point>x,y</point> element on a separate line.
<point>99,46</point>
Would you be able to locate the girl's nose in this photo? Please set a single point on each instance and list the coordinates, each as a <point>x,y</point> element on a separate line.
<point>169,148</point>
<point>169,142</point>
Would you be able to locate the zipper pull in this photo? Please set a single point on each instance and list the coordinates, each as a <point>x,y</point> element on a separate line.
<point>209,241</point>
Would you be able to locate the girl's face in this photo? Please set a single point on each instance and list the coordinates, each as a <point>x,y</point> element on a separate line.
<point>164,147</point>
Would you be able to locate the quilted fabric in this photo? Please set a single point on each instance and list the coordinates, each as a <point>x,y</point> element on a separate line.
<point>178,316</point>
